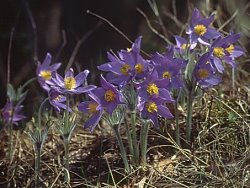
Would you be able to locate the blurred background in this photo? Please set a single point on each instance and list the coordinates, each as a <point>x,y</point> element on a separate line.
<point>57,26</point>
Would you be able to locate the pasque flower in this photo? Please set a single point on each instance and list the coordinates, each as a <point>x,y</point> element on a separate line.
<point>72,85</point>
<point>182,45</point>
<point>199,29</point>
<point>57,100</point>
<point>152,86</point>
<point>154,107</point>
<point>95,110</point>
<point>44,72</point>
<point>169,68</point>
<point>128,65</point>
<point>205,73</point>
<point>223,49</point>
<point>108,94</point>
<point>12,113</point>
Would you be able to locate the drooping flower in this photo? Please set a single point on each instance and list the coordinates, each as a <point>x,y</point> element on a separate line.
<point>205,73</point>
<point>152,86</point>
<point>108,94</point>
<point>127,66</point>
<point>199,29</point>
<point>169,68</point>
<point>71,84</point>
<point>58,100</point>
<point>45,71</point>
<point>154,107</point>
<point>12,113</point>
<point>94,109</point>
<point>223,49</point>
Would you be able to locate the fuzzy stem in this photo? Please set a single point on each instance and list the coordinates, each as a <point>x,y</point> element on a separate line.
<point>134,137</point>
<point>10,145</point>
<point>189,116</point>
<point>130,142</point>
<point>121,147</point>
<point>177,129</point>
<point>144,142</point>
<point>66,142</point>
<point>37,164</point>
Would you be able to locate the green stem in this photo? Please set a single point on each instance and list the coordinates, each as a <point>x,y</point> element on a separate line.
<point>121,147</point>
<point>144,142</point>
<point>66,142</point>
<point>130,142</point>
<point>134,137</point>
<point>10,142</point>
<point>37,165</point>
<point>40,113</point>
<point>177,130</point>
<point>189,115</point>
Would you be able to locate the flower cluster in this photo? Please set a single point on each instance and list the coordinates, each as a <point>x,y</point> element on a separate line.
<point>197,60</point>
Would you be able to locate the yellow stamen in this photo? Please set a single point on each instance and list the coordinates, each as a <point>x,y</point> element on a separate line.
<point>184,46</point>
<point>230,49</point>
<point>125,68</point>
<point>202,73</point>
<point>200,29</point>
<point>109,96</point>
<point>92,107</point>
<point>151,107</point>
<point>129,49</point>
<point>166,74</point>
<point>152,89</point>
<point>70,83</point>
<point>58,98</point>
<point>45,74</point>
<point>138,68</point>
<point>218,52</point>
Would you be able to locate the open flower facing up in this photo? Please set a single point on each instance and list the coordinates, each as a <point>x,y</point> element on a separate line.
<point>169,68</point>
<point>94,109</point>
<point>204,72</point>
<point>153,86</point>
<point>44,72</point>
<point>108,94</point>
<point>12,113</point>
<point>199,29</point>
<point>71,84</point>
<point>128,65</point>
<point>223,49</point>
<point>154,107</point>
<point>57,100</point>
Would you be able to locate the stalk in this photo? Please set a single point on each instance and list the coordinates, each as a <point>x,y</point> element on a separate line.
<point>66,142</point>
<point>144,142</point>
<point>177,130</point>
<point>130,142</point>
<point>122,149</point>
<point>189,115</point>
<point>134,137</point>
<point>37,165</point>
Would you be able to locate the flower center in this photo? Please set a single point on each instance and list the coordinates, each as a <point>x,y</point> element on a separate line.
<point>230,49</point>
<point>92,107</point>
<point>202,73</point>
<point>151,107</point>
<point>166,74</point>
<point>70,83</point>
<point>125,68</point>
<point>58,98</point>
<point>200,29</point>
<point>218,52</point>
<point>109,96</point>
<point>138,68</point>
<point>153,89</point>
<point>45,74</point>
<point>184,46</point>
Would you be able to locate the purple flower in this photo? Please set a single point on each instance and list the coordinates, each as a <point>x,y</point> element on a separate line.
<point>71,84</point>
<point>10,110</point>
<point>44,72</point>
<point>154,87</point>
<point>223,49</point>
<point>182,45</point>
<point>199,30</point>
<point>57,100</point>
<point>94,109</point>
<point>169,68</point>
<point>108,94</point>
<point>204,72</point>
<point>127,66</point>
<point>154,107</point>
